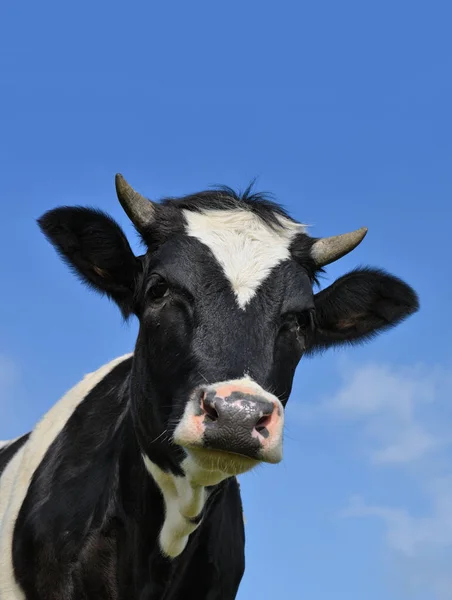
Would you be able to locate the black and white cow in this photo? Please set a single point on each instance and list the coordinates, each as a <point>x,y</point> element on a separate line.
<point>127,489</point>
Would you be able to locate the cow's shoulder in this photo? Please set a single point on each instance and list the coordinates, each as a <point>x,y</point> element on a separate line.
<point>35,475</point>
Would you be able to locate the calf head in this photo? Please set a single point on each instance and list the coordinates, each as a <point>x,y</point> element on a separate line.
<point>225,302</point>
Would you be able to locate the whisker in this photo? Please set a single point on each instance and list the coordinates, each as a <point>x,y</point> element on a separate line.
<point>159,436</point>
<point>199,372</point>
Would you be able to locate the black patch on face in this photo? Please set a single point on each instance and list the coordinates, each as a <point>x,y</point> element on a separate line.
<point>7,452</point>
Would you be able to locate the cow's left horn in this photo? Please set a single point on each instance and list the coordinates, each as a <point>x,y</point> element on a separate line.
<point>139,209</point>
<point>326,250</point>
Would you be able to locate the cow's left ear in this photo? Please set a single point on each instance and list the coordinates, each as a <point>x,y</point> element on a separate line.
<point>358,306</point>
<point>95,247</point>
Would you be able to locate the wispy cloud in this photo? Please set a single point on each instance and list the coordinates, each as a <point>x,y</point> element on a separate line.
<point>399,410</point>
<point>405,422</point>
<point>414,535</point>
<point>421,545</point>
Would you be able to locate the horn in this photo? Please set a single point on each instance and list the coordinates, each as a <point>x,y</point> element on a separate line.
<point>326,250</point>
<point>139,209</point>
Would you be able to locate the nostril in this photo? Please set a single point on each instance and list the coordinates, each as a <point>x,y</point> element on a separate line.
<point>210,411</point>
<point>262,423</point>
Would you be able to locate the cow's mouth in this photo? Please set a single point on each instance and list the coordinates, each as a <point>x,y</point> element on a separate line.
<point>232,463</point>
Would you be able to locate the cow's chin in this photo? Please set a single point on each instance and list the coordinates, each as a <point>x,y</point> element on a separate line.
<point>218,461</point>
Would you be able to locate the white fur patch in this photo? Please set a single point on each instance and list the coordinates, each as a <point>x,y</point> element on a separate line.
<point>246,248</point>
<point>184,499</point>
<point>16,478</point>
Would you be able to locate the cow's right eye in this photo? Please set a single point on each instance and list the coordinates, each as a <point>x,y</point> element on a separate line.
<point>157,289</point>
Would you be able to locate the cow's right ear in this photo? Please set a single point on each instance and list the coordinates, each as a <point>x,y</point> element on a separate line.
<point>96,249</point>
<point>360,305</point>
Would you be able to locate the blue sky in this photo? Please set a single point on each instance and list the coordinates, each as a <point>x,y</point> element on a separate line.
<point>343,111</point>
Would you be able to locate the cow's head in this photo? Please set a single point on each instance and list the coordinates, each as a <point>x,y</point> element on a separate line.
<point>224,297</point>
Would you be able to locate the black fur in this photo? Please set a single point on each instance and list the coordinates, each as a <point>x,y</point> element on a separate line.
<point>7,452</point>
<point>358,306</point>
<point>96,249</point>
<point>89,524</point>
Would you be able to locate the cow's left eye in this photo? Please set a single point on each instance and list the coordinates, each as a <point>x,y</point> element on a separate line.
<point>158,288</point>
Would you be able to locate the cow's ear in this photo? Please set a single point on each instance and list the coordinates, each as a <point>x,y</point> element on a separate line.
<point>358,306</point>
<point>96,249</point>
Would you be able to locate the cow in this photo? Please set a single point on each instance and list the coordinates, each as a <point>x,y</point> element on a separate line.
<point>127,487</point>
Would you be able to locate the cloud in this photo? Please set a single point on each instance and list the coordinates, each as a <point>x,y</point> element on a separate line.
<point>410,535</point>
<point>421,546</point>
<point>405,423</point>
<point>398,410</point>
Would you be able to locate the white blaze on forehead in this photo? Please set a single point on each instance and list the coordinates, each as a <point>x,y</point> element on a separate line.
<point>246,247</point>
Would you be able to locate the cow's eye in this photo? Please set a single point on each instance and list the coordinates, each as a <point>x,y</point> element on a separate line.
<point>157,289</point>
<point>305,320</point>
<point>289,322</point>
<point>301,322</point>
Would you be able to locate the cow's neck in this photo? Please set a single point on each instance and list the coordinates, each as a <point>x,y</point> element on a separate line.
<point>185,486</point>
<point>185,499</point>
